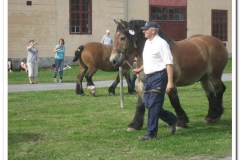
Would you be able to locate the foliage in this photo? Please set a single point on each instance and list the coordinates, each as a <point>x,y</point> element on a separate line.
<point>61,125</point>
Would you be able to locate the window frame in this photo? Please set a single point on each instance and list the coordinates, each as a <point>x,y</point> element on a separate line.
<point>81,16</point>
<point>220,32</point>
<point>166,13</point>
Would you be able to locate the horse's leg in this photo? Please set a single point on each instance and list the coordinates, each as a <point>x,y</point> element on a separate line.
<point>128,79</point>
<point>138,119</point>
<point>111,89</point>
<point>182,116</point>
<point>214,93</point>
<point>90,85</point>
<point>79,88</point>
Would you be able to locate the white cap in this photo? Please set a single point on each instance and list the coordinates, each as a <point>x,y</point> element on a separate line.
<point>107,31</point>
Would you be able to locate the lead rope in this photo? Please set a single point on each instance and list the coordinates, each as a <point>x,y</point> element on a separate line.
<point>128,64</point>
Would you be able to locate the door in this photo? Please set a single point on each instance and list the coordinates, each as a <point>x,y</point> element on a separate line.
<point>172,20</point>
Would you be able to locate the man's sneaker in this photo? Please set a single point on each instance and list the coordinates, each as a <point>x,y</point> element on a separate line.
<point>54,80</point>
<point>172,128</point>
<point>145,138</point>
<point>60,81</point>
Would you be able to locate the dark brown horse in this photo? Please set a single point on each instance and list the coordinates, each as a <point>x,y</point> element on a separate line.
<point>93,56</point>
<point>197,58</point>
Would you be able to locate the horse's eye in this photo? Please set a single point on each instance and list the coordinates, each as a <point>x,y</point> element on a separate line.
<point>122,38</point>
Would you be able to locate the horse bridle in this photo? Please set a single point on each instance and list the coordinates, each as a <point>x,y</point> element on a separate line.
<point>123,51</point>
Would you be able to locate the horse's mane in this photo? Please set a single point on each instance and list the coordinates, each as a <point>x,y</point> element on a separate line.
<point>136,24</point>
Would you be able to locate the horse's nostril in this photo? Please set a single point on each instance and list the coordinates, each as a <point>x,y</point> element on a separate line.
<point>114,62</point>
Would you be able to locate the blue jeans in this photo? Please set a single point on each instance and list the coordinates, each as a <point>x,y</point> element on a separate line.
<point>154,102</point>
<point>59,63</point>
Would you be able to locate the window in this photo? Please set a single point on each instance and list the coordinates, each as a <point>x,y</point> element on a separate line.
<point>168,13</point>
<point>80,16</point>
<point>219,24</point>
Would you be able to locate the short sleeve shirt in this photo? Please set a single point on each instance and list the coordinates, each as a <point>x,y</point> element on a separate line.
<point>156,55</point>
<point>60,54</point>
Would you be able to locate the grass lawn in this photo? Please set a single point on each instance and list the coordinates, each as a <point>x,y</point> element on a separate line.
<point>70,75</point>
<point>63,126</point>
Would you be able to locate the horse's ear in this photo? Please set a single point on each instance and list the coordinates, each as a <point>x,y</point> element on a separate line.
<point>124,24</point>
<point>118,23</point>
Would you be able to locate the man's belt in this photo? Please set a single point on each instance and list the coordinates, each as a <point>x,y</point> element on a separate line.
<point>154,90</point>
<point>149,75</point>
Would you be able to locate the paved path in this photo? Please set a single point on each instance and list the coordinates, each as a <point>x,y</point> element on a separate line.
<point>60,86</point>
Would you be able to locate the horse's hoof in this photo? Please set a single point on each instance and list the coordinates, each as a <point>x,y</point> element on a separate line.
<point>181,125</point>
<point>133,93</point>
<point>177,127</point>
<point>210,120</point>
<point>129,129</point>
<point>82,94</point>
<point>111,94</point>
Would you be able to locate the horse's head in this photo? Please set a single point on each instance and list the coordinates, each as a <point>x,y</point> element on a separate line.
<point>78,53</point>
<point>124,43</point>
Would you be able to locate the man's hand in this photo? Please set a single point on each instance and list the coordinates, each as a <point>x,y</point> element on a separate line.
<point>170,86</point>
<point>137,70</point>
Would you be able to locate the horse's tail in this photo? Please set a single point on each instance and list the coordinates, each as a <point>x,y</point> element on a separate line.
<point>78,53</point>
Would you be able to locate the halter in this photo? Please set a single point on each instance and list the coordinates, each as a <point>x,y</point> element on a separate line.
<point>124,51</point>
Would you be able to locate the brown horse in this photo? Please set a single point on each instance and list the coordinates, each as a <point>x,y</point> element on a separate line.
<point>197,58</point>
<point>93,56</point>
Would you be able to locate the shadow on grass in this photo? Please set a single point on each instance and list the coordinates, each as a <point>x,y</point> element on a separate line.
<point>24,137</point>
<point>223,126</point>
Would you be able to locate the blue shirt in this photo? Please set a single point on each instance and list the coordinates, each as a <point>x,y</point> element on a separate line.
<point>107,40</point>
<point>60,54</point>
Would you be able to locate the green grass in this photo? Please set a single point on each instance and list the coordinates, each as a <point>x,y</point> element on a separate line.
<point>63,126</point>
<point>70,75</point>
<point>228,68</point>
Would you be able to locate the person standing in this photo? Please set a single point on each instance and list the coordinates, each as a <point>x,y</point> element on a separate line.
<point>158,66</point>
<point>59,51</point>
<point>107,39</point>
<point>32,62</point>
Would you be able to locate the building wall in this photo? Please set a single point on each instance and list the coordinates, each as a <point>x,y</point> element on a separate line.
<point>199,17</point>
<point>46,21</point>
<point>138,10</point>
<point>36,22</point>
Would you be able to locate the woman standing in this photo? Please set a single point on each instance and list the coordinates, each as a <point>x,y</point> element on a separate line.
<point>32,61</point>
<point>59,51</point>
